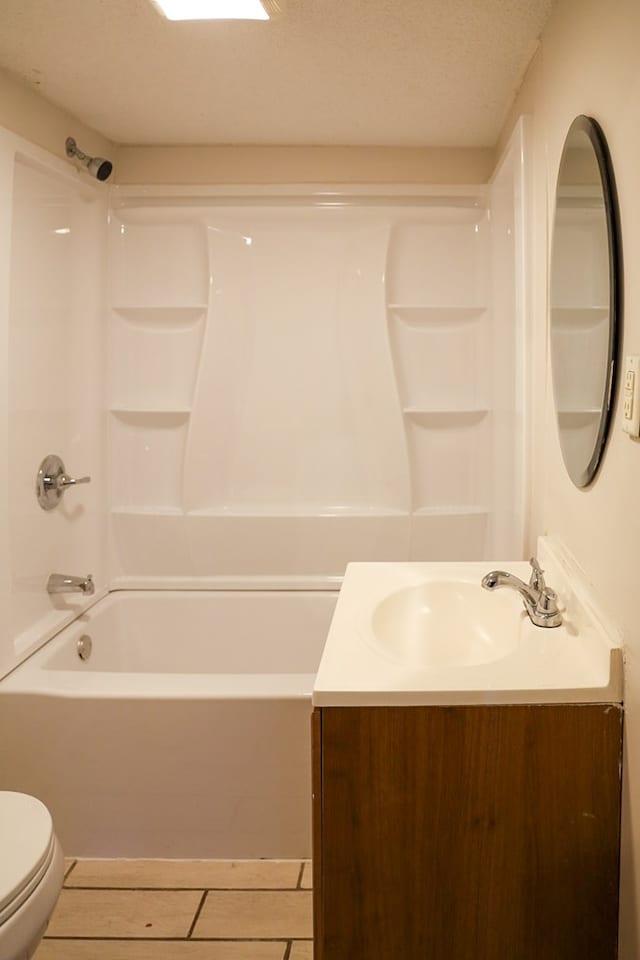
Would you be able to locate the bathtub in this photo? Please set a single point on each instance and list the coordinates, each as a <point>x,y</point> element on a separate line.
<point>184,734</point>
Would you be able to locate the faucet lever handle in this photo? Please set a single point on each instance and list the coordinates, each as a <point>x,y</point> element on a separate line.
<point>548,601</point>
<point>537,575</point>
<point>66,481</point>
<point>53,480</point>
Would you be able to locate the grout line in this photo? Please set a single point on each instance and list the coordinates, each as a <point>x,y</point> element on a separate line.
<point>208,889</point>
<point>181,939</point>
<point>197,914</point>
<point>299,883</point>
<point>287,951</point>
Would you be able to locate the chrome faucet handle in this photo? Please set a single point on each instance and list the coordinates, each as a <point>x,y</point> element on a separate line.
<point>53,480</point>
<point>546,613</point>
<point>548,601</point>
<point>65,481</point>
<point>537,576</point>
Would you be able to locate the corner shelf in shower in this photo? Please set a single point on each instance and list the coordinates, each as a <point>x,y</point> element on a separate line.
<point>146,456</point>
<point>578,417</point>
<point>133,411</point>
<point>154,357</point>
<point>442,363</point>
<point>448,449</point>
<point>453,510</point>
<point>572,317</point>
<point>162,316</point>
<point>441,357</point>
<point>419,314</point>
<point>464,416</point>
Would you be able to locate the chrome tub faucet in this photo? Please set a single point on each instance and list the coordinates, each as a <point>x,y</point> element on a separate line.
<point>62,583</point>
<point>540,602</point>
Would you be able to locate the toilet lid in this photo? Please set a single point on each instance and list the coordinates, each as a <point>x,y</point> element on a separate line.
<point>26,834</point>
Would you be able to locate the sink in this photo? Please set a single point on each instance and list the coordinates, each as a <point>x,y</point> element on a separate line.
<point>413,633</point>
<point>444,623</point>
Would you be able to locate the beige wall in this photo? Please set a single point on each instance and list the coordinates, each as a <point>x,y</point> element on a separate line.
<point>29,115</point>
<point>588,63</point>
<point>261,165</point>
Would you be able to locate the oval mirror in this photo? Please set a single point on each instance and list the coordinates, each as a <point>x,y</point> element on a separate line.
<point>585,284</point>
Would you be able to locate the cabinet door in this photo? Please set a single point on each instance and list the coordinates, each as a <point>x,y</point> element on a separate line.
<point>469,833</point>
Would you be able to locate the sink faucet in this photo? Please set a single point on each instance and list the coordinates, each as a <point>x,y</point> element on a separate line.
<point>61,583</point>
<point>540,602</point>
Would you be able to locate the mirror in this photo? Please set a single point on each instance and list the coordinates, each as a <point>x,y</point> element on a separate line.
<point>585,285</point>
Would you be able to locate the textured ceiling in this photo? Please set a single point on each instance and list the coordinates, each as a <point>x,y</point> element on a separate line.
<point>388,72</point>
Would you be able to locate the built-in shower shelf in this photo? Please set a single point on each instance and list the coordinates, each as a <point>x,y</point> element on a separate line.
<point>451,418</point>
<point>151,415</point>
<point>130,411</point>
<point>580,410</point>
<point>418,314</point>
<point>453,511</point>
<point>572,317</point>
<point>163,315</point>
<point>578,418</point>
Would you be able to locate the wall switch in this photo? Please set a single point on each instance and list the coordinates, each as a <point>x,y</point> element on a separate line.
<point>630,399</point>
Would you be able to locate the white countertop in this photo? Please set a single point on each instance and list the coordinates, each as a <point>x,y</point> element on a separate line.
<point>435,659</point>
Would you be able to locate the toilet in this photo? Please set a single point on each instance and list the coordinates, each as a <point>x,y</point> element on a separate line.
<point>31,874</point>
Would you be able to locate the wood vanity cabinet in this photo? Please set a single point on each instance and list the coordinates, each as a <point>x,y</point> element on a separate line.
<point>466,832</point>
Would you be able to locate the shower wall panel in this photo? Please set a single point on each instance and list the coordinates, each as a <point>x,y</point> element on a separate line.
<point>55,392</point>
<point>300,382</point>
<point>295,406</point>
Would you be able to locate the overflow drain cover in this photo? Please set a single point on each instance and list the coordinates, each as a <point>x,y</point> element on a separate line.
<point>84,646</point>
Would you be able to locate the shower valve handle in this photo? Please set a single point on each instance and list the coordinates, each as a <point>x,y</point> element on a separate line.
<point>53,480</point>
<point>65,481</point>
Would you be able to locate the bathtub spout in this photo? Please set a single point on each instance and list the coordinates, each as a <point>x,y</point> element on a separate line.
<point>61,583</point>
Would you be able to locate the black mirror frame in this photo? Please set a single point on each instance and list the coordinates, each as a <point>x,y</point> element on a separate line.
<point>594,132</point>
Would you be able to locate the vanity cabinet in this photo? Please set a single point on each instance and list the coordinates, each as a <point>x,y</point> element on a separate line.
<point>467,832</point>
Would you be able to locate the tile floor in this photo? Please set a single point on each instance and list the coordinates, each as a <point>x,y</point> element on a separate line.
<point>182,910</point>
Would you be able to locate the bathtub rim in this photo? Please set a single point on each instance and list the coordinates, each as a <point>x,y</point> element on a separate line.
<point>31,678</point>
<point>29,641</point>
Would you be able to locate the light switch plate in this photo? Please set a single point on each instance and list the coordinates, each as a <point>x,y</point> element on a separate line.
<point>631,396</point>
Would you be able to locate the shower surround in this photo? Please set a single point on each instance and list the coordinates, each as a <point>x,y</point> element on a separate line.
<point>300,381</point>
<point>264,384</point>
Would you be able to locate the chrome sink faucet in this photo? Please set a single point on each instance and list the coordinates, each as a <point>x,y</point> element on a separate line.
<point>540,602</point>
<point>61,583</point>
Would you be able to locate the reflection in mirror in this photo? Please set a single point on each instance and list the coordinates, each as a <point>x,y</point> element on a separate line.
<point>584,298</point>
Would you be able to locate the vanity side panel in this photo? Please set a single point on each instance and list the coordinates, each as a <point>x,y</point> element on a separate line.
<point>317,796</point>
<point>458,832</point>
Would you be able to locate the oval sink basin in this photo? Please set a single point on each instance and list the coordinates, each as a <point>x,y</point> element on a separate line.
<point>445,624</point>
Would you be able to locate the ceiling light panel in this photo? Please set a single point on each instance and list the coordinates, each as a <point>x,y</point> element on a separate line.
<point>212,9</point>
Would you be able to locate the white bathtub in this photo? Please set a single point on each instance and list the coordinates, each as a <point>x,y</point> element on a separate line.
<point>186,732</point>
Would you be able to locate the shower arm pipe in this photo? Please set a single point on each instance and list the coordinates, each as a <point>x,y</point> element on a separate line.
<point>97,167</point>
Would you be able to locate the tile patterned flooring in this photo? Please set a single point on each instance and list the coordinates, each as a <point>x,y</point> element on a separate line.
<point>182,910</point>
